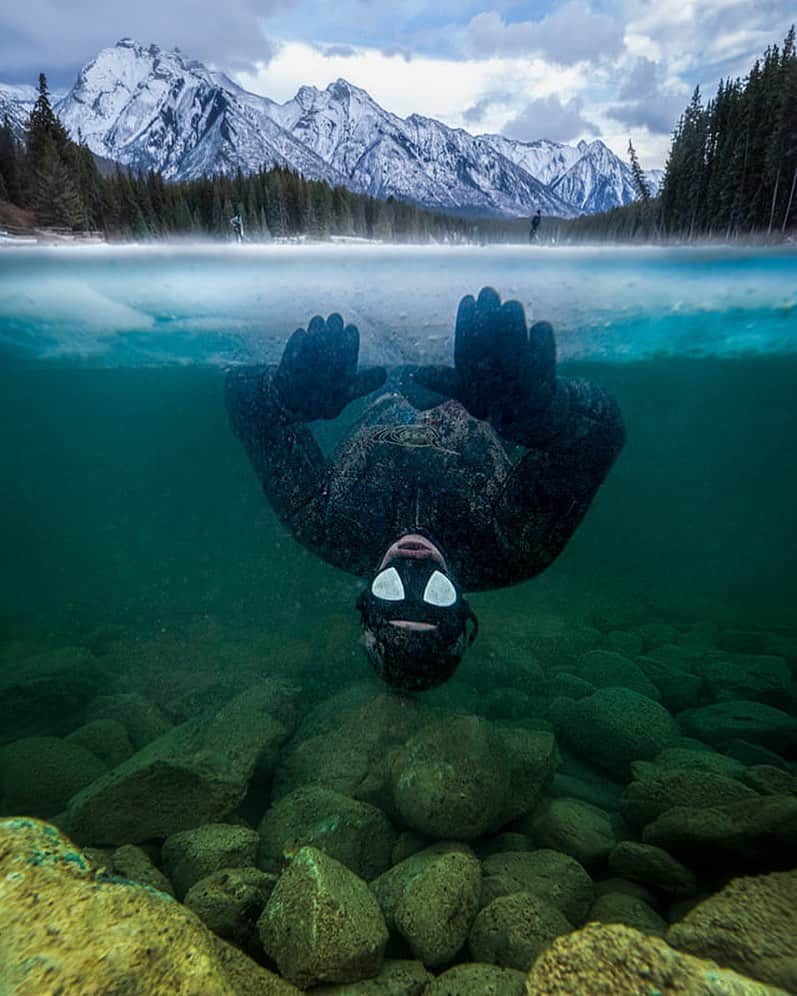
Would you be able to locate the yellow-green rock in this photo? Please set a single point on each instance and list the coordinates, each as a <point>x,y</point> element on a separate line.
<point>67,927</point>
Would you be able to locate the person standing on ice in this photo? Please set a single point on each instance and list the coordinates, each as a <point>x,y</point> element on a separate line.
<point>238,228</point>
<point>463,478</point>
<point>535,224</point>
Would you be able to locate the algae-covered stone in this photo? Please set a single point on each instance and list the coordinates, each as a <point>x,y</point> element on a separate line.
<point>322,923</point>
<point>678,688</point>
<point>573,827</point>
<point>614,960</point>
<point>46,693</point>
<point>702,757</point>
<point>135,864</point>
<point>431,900</point>
<point>190,855</point>
<point>196,773</point>
<point>66,928</point>
<point>477,979</point>
<point>756,722</point>
<point>513,930</point>
<point>750,925</point>
<point>606,668</point>
<point>614,727</point>
<point>39,775</point>
<point>655,790</point>
<point>229,902</point>
<point>355,833</point>
<point>750,677</point>
<point>760,831</point>
<point>554,877</point>
<point>652,866</point>
<point>451,780</point>
<point>766,779</point>
<point>107,739</point>
<point>143,720</point>
<point>618,907</point>
<point>532,759</point>
<point>397,977</point>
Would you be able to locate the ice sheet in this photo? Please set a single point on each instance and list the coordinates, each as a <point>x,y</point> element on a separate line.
<point>221,304</point>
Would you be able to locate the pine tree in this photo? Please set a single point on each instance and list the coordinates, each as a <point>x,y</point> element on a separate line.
<point>640,182</point>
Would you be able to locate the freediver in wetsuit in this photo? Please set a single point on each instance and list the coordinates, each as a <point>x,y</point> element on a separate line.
<point>466,478</point>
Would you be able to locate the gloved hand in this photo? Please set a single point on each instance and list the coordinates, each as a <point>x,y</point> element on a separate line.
<point>503,372</point>
<point>317,376</point>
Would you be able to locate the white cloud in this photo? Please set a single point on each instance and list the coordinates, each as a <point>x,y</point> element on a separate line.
<point>549,117</point>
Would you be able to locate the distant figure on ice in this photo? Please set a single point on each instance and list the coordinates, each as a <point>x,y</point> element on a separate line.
<point>237,228</point>
<point>454,479</point>
<point>535,224</point>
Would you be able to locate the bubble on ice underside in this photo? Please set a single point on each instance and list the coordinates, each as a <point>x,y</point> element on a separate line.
<point>217,304</point>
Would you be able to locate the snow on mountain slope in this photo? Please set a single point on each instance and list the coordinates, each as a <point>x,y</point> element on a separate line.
<point>16,103</point>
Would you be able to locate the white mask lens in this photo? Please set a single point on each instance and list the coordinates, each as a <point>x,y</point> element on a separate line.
<point>439,591</point>
<point>387,585</point>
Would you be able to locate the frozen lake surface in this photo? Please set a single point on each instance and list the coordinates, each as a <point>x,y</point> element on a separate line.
<point>221,304</point>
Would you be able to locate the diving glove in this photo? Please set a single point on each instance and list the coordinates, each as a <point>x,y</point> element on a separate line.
<point>318,376</point>
<point>504,372</point>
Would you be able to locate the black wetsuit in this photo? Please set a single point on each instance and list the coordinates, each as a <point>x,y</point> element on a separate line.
<point>501,513</point>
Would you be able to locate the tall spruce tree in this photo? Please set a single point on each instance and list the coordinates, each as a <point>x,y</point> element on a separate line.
<point>640,182</point>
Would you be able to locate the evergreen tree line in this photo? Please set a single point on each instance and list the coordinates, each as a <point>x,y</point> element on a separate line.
<point>732,167</point>
<point>60,182</point>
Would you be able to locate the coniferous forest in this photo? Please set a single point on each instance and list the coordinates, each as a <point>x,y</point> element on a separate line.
<point>731,174</point>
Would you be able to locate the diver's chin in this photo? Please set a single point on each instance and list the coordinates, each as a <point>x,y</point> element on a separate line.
<point>410,624</point>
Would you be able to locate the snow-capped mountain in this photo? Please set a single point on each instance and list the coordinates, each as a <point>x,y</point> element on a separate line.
<point>148,108</point>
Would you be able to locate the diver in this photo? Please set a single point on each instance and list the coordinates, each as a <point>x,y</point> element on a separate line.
<point>453,480</point>
<point>535,224</point>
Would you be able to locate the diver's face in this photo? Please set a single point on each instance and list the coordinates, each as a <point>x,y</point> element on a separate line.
<point>412,588</point>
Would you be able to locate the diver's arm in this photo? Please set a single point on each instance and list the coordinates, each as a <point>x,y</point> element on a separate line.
<point>286,458</point>
<point>568,452</point>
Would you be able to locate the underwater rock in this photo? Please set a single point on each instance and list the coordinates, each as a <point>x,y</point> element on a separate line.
<point>618,907</point>
<point>355,833</point>
<point>750,926</point>
<point>408,843</point>
<point>748,677</point>
<point>678,689</point>
<point>473,979</point>
<point>577,828</point>
<point>513,930</point>
<point>626,888</point>
<point>558,879</point>
<point>703,758</point>
<point>607,669</point>
<point>614,727</point>
<point>569,686</point>
<point>509,841</point>
<point>759,832</point>
<point>766,779</point>
<point>652,866</point>
<point>107,739</point>
<point>654,634</point>
<point>46,694</point>
<point>66,928</point>
<point>743,641</point>
<point>322,923</point>
<point>190,855</point>
<point>142,719</point>
<point>39,775</point>
<point>345,743</point>
<point>748,754</point>
<point>451,780</point>
<point>229,902</point>
<point>431,900</point>
<point>532,760</point>
<point>723,722</point>
<point>654,790</point>
<point>196,773</point>
<point>134,863</point>
<point>396,978</point>
<point>558,650</point>
<point>614,960</point>
<point>624,642</point>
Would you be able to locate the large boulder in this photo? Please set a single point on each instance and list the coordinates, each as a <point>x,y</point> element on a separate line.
<point>653,867</point>
<point>397,977</point>
<point>614,960</point>
<point>132,862</point>
<point>549,875</point>
<point>143,720</point>
<point>749,677</point>
<point>678,688</point>
<point>532,759</point>
<point>431,900</point>
<point>755,722</point>
<point>230,901</point>
<point>619,907</point>
<point>513,930</point>
<point>755,833</point>
<point>65,927</point>
<point>750,925</point>
<point>39,775</point>
<point>355,833</point>
<point>107,739</point>
<point>654,790</point>
<point>571,826</point>
<point>607,669</point>
<point>451,780</point>
<point>47,693</point>
<point>196,773</point>
<point>322,923</point>
<point>190,855</point>
<point>478,979</point>
<point>614,727</point>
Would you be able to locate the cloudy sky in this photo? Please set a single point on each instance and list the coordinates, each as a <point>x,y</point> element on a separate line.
<point>560,69</point>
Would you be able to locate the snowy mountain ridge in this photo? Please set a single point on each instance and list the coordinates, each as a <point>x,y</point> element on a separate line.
<point>149,108</point>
